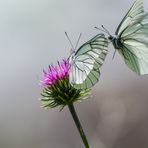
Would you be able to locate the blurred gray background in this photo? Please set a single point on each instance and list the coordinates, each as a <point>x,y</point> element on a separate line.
<point>32,37</point>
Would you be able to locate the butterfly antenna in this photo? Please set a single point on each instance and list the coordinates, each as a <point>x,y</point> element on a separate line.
<point>106,30</point>
<point>69,41</point>
<point>78,41</point>
<point>99,29</point>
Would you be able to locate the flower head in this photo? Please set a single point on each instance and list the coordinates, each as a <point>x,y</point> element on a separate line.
<point>57,90</point>
<point>56,73</point>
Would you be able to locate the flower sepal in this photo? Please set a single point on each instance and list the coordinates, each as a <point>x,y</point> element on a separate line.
<point>61,94</point>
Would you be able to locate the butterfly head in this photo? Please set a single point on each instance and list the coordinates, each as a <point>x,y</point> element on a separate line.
<point>111,38</point>
<point>72,51</point>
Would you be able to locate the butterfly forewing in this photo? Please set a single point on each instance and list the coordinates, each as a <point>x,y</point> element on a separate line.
<point>133,16</point>
<point>85,63</point>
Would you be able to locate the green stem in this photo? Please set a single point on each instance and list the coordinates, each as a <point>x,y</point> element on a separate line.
<point>78,124</point>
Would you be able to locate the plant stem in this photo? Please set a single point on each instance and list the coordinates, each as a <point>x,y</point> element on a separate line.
<point>78,124</point>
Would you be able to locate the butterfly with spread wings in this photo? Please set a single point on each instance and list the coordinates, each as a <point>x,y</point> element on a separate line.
<point>86,61</point>
<point>131,39</point>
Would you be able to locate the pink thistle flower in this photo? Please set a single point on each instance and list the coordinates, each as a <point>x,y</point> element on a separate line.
<point>57,90</point>
<point>56,73</point>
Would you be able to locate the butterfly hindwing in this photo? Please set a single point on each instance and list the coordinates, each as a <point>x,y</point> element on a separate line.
<point>86,61</point>
<point>136,57</point>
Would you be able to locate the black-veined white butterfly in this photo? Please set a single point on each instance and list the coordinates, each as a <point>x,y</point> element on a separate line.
<point>86,61</point>
<point>132,38</point>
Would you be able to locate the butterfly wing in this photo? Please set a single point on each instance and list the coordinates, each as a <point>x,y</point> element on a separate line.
<point>134,15</point>
<point>86,61</point>
<point>133,35</point>
<point>135,55</point>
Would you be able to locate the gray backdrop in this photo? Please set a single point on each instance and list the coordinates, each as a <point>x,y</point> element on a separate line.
<point>32,37</point>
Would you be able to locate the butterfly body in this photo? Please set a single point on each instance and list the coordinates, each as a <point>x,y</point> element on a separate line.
<point>117,42</point>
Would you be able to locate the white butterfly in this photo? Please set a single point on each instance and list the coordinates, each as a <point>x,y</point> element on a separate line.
<point>86,61</point>
<point>132,39</point>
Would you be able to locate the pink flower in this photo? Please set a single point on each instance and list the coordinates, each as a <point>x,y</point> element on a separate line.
<point>56,73</point>
<point>57,90</point>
